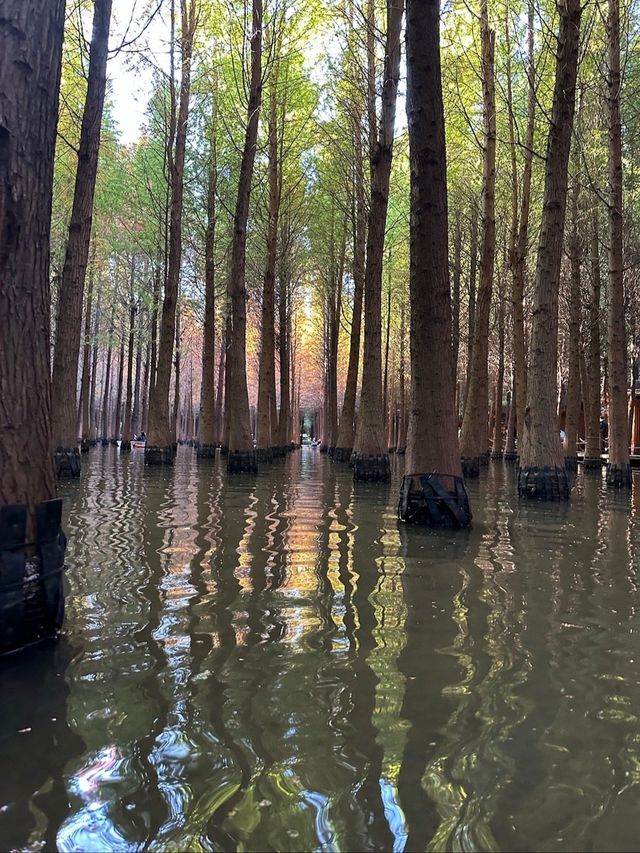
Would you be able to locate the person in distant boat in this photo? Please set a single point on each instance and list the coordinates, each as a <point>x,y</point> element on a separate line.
<point>142,436</point>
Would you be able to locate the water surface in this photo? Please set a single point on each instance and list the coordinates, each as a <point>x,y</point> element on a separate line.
<point>274,663</point>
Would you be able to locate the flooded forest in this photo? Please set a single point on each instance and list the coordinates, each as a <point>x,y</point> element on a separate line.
<point>319,425</point>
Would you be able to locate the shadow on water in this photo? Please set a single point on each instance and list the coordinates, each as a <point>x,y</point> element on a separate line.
<point>275,663</point>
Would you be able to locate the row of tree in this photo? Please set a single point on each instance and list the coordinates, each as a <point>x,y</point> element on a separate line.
<point>274,207</point>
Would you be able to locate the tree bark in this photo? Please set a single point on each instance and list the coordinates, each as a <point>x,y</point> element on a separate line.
<point>573,383</point>
<point>618,468</point>
<point>265,429</point>
<point>474,435</point>
<point>496,451</point>
<point>117,421</point>
<point>85,419</point>
<point>520,228</point>
<point>432,444</point>
<point>592,388</point>
<point>70,299</point>
<point>344,441</point>
<point>542,473</point>
<point>30,58</point>
<point>241,453</point>
<point>207,427</point>
<point>127,433</point>
<point>161,438</point>
<point>136,420</point>
<point>93,412</point>
<point>107,387</point>
<point>372,460</point>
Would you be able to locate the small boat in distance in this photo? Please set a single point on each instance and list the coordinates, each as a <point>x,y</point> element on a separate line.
<point>137,445</point>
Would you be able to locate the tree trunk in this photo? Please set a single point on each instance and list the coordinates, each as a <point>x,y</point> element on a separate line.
<point>207,427</point>
<point>496,450</point>
<point>107,388</point>
<point>618,468</point>
<point>474,435</point>
<point>265,429</point>
<point>127,433</point>
<point>285,404</point>
<point>70,298</point>
<point>175,426</point>
<point>118,410</point>
<point>220,386</point>
<point>145,391</point>
<point>372,460</point>
<point>85,419</point>
<point>573,384</point>
<point>542,472</point>
<point>473,274</point>
<point>520,227</point>
<point>161,439</point>
<point>30,61</point>
<point>93,411</point>
<point>344,441</point>
<point>387,342</point>
<point>592,388</point>
<point>136,420</point>
<point>457,277</point>
<point>401,444</point>
<point>242,456</point>
<point>433,467</point>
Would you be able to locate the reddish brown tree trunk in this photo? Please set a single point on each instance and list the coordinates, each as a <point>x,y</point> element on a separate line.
<point>474,435</point>
<point>618,468</point>
<point>344,441</point>
<point>371,459</point>
<point>542,472</point>
<point>266,428</point>
<point>496,452</point>
<point>161,438</point>
<point>592,388</point>
<point>242,456</point>
<point>573,383</point>
<point>207,427</point>
<point>127,433</point>
<point>432,444</point>
<point>85,419</point>
<point>30,58</point>
<point>69,317</point>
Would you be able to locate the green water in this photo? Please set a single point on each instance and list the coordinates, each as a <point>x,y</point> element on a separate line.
<point>274,663</point>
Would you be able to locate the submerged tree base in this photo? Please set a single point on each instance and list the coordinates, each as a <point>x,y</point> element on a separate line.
<point>374,467</point>
<point>324,448</point>
<point>206,451</point>
<point>105,442</point>
<point>242,462</point>
<point>571,463</point>
<point>31,587</point>
<point>593,463</point>
<point>342,454</point>
<point>85,444</point>
<point>125,447</point>
<point>154,455</point>
<point>510,456</point>
<point>67,463</point>
<point>435,500</point>
<point>470,466</point>
<point>400,451</point>
<point>544,484</point>
<point>264,454</point>
<point>497,455</point>
<point>619,476</point>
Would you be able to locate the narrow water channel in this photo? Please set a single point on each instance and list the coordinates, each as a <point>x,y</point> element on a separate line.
<point>274,663</point>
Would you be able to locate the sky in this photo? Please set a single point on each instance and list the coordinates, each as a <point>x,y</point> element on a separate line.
<point>130,78</point>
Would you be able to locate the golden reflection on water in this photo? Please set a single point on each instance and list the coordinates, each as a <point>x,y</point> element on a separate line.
<point>275,663</point>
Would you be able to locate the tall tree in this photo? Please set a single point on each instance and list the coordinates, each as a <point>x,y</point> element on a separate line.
<point>265,430</point>
<point>432,489</point>
<point>242,455</point>
<point>593,372</point>
<point>161,439</point>
<point>618,468</point>
<point>30,62</point>
<point>371,458</point>
<point>542,472</point>
<point>474,436</point>
<point>207,439</point>
<point>69,317</point>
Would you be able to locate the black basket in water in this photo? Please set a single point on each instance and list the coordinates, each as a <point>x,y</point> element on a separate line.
<point>31,575</point>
